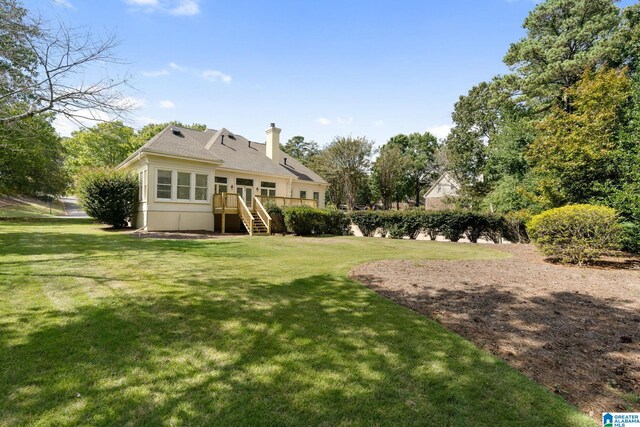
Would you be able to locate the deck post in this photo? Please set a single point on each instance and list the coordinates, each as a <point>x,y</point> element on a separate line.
<point>224,208</point>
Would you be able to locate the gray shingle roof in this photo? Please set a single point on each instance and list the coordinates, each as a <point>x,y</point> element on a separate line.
<point>190,144</point>
<point>234,151</point>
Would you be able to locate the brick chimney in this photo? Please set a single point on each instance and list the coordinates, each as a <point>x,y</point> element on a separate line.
<point>273,143</point>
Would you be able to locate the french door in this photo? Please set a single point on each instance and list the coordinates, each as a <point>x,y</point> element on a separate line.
<point>246,193</point>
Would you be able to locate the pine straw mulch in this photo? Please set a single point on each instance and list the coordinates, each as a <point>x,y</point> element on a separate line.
<point>576,330</point>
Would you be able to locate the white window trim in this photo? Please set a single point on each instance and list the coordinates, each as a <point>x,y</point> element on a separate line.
<point>195,187</point>
<point>174,187</point>
<point>142,185</point>
<point>216,184</point>
<point>274,189</point>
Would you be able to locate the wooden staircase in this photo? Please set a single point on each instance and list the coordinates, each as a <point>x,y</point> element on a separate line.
<point>259,227</point>
<point>256,221</point>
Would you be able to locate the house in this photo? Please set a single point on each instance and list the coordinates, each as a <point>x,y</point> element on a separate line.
<point>438,196</point>
<point>216,180</point>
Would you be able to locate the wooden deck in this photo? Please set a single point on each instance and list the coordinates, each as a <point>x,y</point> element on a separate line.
<point>256,220</point>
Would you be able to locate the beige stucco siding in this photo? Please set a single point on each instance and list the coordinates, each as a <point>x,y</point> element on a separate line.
<point>282,184</point>
<point>175,214</point>
<point>310,188</point>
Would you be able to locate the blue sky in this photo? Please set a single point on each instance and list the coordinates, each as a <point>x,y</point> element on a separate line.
<point>319,69</point>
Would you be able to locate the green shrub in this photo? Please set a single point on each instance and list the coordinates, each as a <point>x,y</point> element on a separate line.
<point>305,221</point>
<point>109,196</point>
<point>335,222</point>
<point>453,224</point>
<point>277,218</point>
<point>396,232</point>
<point>514,226</point>
<point>630,238</point>
<point>576,233</point>
<point>369,221</point>
<point>430,223</point>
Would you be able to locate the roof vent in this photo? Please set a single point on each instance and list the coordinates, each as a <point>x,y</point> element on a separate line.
<point>273,125</point>
<point>249,144</point>
<point>285,160</point>
<point>176,131</point>
<point>231,136</point>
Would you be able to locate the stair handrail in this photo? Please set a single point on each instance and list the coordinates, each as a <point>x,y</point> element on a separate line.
<point>245,214</point>
<point>262,213</point>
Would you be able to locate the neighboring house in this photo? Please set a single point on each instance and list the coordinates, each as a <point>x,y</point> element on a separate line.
<point>445,188</point>
<point>217,181</point>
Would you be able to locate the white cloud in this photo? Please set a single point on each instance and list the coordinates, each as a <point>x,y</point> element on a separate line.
<point>344,120</point>
<point>84,118</point>
<point>440,131</point>
<point>156,73</point>
<point>379,123</point>
<point>338,121</point>
<point>175,66</point>
<point>185,8</point>
<point>64,3</point>
<point>172,7</point>
<point>143,2</point>
<point>132,102</point>
<point>167,104</point>
<point>216,76</point>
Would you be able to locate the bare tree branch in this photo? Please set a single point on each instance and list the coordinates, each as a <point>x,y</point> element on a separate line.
<point>69,76</point>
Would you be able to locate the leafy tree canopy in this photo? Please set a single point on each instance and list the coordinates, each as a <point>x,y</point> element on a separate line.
<point>577,152</point>
<point>103,145</point>
<point>301,149</point>
<point>31,158</point>
<point>564,37</point>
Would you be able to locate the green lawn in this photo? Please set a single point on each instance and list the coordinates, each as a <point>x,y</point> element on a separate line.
<point>29,208</point>
<point>102,328</point>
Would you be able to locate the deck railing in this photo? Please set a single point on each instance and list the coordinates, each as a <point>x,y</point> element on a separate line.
<point>232,203</point>
<point>225,202</point>
<point>288,201</point>
<point>262,213</point>
<point>245,215</point>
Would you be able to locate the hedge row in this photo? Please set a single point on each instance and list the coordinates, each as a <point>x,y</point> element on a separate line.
<point>452,224</point>
<point>306,221</point>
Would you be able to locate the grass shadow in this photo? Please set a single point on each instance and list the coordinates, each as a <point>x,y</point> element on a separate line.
<point>316,350</point>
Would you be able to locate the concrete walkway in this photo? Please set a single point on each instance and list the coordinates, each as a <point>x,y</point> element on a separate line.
<point>71,208</point>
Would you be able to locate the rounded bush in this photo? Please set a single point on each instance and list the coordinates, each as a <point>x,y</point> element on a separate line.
<point>305,221</point>
<point>109,196</point>
<point>277,218</point>
<point>576,233</point>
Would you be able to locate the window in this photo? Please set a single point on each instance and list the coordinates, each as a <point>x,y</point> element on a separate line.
<point>184,186</point>
<point>202,186</point>
<point>221,184</point>
<point>142,186</point>
<point>303,194</point>
<point>316,196</point>
<point>268,189</point>
<point>163,190</point>
<point>244,181</point>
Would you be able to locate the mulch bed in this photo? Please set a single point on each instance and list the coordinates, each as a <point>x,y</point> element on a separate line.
<point>575,330</point>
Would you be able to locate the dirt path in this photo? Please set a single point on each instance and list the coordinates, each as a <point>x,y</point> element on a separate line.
<point>575,330</point>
